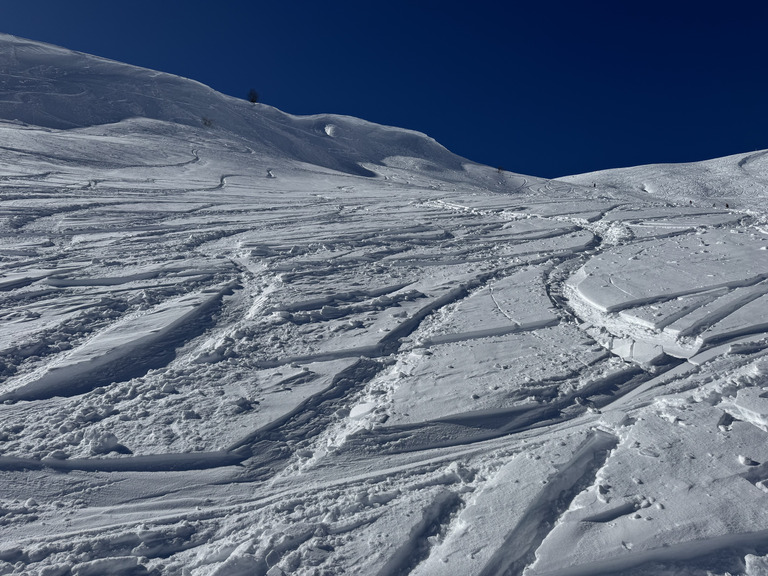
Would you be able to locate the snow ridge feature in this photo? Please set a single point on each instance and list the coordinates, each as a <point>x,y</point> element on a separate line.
<point>51,87</point>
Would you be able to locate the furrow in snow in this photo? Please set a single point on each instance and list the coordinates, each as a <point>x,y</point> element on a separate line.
<point>522,540</point>
<point>466,428</point>
<point>416,547</point>
<point>124,350</point>
<point>308,419</point>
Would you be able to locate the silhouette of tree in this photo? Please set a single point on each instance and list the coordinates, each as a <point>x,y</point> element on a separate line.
<point>253,96</point>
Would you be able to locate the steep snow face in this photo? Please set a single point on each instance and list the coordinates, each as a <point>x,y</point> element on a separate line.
<point>51,87</point>
<point>227,350</point>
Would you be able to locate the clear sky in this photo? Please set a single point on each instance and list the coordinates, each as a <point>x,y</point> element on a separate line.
<point>545,88</point>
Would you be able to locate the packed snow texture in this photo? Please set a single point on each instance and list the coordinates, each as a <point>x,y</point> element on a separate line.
<point>236,341</point>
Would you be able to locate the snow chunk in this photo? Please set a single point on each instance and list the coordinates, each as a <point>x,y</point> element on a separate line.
<point>115,565</point>
<point>120,351</point>
<point>750,405</point>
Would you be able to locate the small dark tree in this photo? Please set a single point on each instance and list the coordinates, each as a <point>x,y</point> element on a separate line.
<point>253,96</point>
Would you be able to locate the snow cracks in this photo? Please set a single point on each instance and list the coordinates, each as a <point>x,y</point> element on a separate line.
<point>477,426</point>
<point>143,463</point>
<point>125,350</point>
<point>416,548</point>
<point>391,343</point>
<point>308,419</point>
<point>521,542</point>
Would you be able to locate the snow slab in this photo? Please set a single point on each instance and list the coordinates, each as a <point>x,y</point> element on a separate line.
<point>237,341</point>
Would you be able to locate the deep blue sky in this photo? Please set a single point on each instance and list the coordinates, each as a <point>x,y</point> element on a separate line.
<point>540,88</point>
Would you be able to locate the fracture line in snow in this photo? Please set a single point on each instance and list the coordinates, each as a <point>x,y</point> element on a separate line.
<point>738,545</point>
<point>481,425</point>
<point>124,350</point>
<point>710,313</point>
<point>656,299</point>
<point>522,540</point>
<point>142,463</point>
<point>305,420</point>
<point>489,333</point>
<point>390,343</point>
<point>351,296</point>
<point>416,547</point>
<point>499,308</point>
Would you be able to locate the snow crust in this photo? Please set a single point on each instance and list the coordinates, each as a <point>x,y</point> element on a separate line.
<point>236,341</point>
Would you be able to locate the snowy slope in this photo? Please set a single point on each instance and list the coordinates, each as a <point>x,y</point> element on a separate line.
<point>739,181</point>
<point>266,344</point>
<point>51,87</point>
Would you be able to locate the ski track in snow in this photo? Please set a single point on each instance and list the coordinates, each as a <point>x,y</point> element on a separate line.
<point>240,342</point>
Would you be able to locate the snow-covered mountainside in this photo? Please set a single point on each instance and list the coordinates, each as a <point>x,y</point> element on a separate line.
<point>740,181</point>
<point>239,342</point>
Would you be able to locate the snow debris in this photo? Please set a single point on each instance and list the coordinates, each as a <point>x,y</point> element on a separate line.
<point>315,345</point>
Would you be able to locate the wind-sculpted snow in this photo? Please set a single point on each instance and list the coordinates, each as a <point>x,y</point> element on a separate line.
<point>229,350</point>
<point>52,87</point>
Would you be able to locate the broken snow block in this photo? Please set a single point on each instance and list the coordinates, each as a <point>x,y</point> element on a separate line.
<point>750,405</point>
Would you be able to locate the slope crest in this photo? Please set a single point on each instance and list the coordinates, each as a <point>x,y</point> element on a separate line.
<point>56,88</point>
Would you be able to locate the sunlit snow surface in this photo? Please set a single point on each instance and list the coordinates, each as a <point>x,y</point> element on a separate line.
<point>239,342</point>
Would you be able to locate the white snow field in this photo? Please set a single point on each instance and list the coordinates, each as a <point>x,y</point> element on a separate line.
<point>239,342</point>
